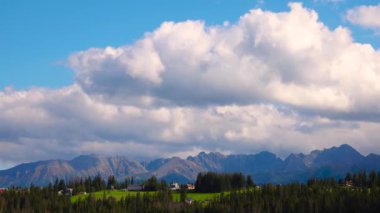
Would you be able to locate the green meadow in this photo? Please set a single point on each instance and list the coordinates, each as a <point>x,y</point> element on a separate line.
<point>196,196</point>
<point>118,194</point>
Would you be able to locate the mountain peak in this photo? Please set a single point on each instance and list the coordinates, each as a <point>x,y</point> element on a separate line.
<point>264,166</point>
<point>294,163</point>
<point>343,155</point>
<point>346,147</point>
<point>266,153</point>
<point>204,154</point>
<point>211,161</point>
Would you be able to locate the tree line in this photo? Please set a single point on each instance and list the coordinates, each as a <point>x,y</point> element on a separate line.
<point>98,184</point>
<point>216,182</point>
<point>356,192</point>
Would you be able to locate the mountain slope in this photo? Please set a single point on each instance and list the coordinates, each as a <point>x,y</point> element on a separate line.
<point>44,172</point>
<point>37,173</point>
<point>344,156</point>
<point>264,166</point>
<point>210,162</point>
<point>118,166</point>
<point>180,168</point>
<point>294,163</point>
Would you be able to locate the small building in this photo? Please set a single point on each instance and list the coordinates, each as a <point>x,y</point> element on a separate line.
<point>174,186</point>
<point>3,190</point>
<point>189,186</point>
<point>348,183</point>
<point>134,187</point>
<point>67,192</point>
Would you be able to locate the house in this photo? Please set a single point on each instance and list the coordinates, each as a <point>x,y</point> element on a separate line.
<point>3,190</point>
<point>67,192</point>
<point>189,186</point>
<point>348,183</point>
<point>174,186</point>
<point>134,187</point>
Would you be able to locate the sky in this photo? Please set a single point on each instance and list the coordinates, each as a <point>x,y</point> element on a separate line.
<point>165,78</point>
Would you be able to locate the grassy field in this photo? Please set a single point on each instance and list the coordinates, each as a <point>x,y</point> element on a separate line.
<point>196,196</point>
<point>118,194</point>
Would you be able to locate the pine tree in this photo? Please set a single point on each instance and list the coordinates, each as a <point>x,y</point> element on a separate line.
<point>250,182</point>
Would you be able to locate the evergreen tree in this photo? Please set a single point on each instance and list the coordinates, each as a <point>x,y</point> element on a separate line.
<point>151,184</point>
<point>250,182</point>
<point>111,183</point>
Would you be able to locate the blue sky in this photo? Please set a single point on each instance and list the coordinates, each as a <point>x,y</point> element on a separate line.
<point>37,36</point>
<point>174,78</point>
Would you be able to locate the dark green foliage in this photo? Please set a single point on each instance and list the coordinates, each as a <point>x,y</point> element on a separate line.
<point>111,183</point>
<point>98,184</point>
<point>214,182</point>
<point>298,198</point>
<point>33,199</point>
<point>250,182</point>
<point>151,184</point>
<point>359,192</point>
<point>61,185</point>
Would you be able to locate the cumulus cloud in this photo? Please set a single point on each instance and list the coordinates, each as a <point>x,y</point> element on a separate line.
<point>365,16</point>
<point>43,124</point>
<point>290,58</point>
<point>282,82</point>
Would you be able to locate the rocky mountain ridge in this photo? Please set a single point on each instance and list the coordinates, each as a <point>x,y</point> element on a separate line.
<point>264,166</point>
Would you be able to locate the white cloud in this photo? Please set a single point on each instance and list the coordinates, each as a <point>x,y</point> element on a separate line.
<point>43,124</point>
<point>365,16</point>
<point>290,58</point>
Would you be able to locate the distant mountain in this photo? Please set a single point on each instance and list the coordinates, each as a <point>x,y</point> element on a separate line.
<point>264,166</point>
<point>155,164</point>
<point>43,172</point>
<point>210,162</point>
<point>343,156</point>
<point>294,163</point>
<point>38,173</point>
<point>371,162</point>
<point>181,169</point>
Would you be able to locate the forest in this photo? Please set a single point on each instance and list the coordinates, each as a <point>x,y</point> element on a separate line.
<point>213,182</point>
<point>357,192</point>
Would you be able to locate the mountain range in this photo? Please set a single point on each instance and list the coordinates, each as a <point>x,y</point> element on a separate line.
<point>264,167</point>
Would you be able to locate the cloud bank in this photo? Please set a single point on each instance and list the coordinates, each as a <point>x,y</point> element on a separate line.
<point>365,16</point>
<point>282,82</point>
<point>289,58</point>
